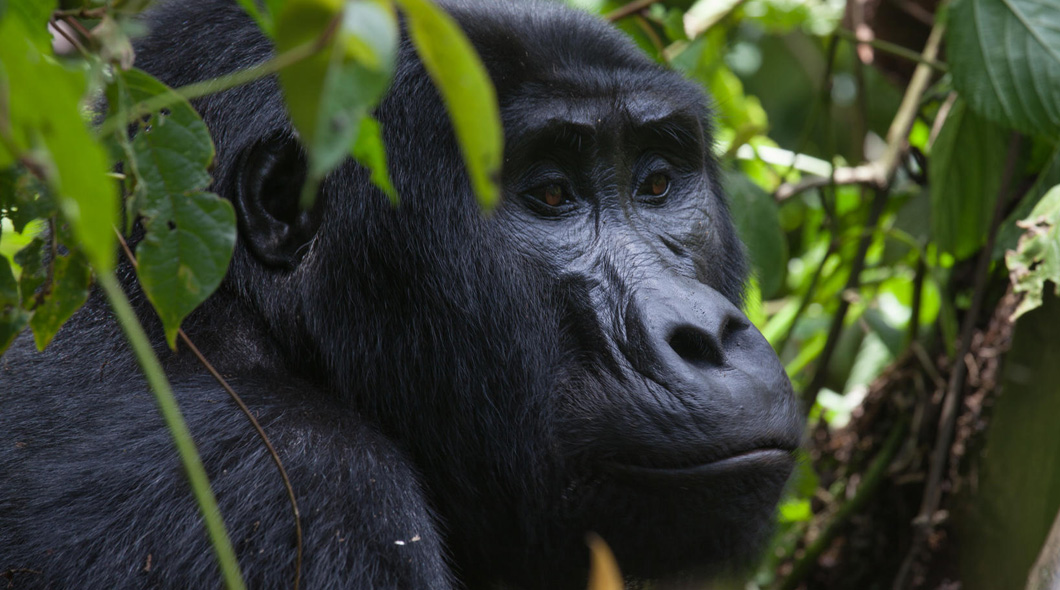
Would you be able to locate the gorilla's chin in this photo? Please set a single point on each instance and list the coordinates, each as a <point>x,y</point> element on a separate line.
<point>714,520</point>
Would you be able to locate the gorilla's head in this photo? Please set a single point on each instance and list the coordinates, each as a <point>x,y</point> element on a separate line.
<point>576,360</point>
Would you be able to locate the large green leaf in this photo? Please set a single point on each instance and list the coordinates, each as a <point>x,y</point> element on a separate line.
<point>1005,58</point>
<point>185,253</point>
<point>172,147</point>
<point>466,89</point>
<point>189,234</point>
<point>755,214</point>
<point>330,93</point>
<point>965,171</point>
<point>46,127</point>
<point>34,15</point>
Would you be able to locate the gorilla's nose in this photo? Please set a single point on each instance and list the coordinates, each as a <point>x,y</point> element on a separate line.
<point>700,345</point>
<point>703,343</point>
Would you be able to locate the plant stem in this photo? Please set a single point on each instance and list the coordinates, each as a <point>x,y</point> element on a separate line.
<point>869,483</point>
<point>213,85</point>
<point>167,405</point>
<point>894,49</point>
<point>632,8</point>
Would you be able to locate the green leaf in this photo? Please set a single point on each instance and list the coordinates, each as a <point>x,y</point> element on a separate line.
<point>172,147</point>
<point>330,93</point>
<point>965,172</point>
<point>262,18</point>
<point>1037,258</point>
<point>755,214</point>
<point>467,91</point>
<point>189,234</point>
<point>13,318</point>
<point>34,15</point>
<point>369,33</point>
<point>303,22</point>
<point>33,269</point>
<point>46,128</point>
<point>71,278</point>
<point>369,150</point>
<point>1005,59</point>
<point>184,254</point>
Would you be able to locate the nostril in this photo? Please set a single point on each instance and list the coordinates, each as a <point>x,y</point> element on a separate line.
<point>696,347</point>
<point>733,325</point>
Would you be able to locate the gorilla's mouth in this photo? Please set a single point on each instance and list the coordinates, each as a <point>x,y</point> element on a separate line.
<point>767,458</point>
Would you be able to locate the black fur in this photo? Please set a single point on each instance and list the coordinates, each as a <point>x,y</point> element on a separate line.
<point>458,397</point>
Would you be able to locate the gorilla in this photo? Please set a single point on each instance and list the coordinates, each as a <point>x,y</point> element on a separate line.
<point>458,397</point>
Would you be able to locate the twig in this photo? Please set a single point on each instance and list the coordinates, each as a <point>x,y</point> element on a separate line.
<point>893,49</point>
<point>631,8</point>
<point>85,13</point>
<point>898,133</point>
<point>645,27</point>
<point>219,84</point>
<point>77,26</point>
<point>955,386</point>
<point>59,28</point>
<point>880,172</point>
<point>254,421</point>
<point>863,174</point>
<point>916,11</point>
<point>869,484</point>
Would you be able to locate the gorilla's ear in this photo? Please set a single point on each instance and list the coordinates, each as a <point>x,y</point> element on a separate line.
<point>268,185</point>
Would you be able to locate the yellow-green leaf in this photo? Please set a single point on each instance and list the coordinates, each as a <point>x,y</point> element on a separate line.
<point>370,152</point>
<point>466,89</point>
<point>330,93</point>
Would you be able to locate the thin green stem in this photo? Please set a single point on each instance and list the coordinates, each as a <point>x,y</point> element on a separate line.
<point>893,49</point>
<point>213,85</point>
<point>167,405</point>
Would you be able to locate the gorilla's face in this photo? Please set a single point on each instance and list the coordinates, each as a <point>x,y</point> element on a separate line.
<point>676,421</point>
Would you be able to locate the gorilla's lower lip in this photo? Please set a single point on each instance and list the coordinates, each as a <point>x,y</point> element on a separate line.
<point>762,458</point>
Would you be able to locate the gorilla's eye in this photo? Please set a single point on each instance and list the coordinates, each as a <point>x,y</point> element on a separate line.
<point>655,186</point>
<point>553,194</point>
